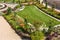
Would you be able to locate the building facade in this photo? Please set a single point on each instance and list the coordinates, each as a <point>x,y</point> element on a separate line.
<point>54,2</point>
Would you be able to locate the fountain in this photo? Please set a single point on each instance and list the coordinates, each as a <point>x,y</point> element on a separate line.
<point>2,6</point>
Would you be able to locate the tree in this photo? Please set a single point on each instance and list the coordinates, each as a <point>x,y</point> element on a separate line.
<point>50,26</point>
<point>4,1</point>
<point>37,24</point>
<point>50,29</point>
<point>38,1</point>
<point>15,14</point>
<point>34,0</point>
<point>9,10</point>
<point>13,1</point>
<point>25,19</point>
<point>25,0</point>
<point>46,3</point>
<point>53,6</point>
<point>19,2</point>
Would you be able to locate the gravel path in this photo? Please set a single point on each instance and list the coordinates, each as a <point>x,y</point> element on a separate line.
<point>20,9</point>
<point>6,32</point>
<point>12,6</point>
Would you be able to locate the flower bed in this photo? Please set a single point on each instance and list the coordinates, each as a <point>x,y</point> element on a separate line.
<point>18,29</point>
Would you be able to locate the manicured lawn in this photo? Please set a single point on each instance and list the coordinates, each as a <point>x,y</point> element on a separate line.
<point>32,14</point>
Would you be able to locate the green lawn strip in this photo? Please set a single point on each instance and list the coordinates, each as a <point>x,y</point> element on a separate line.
<point>33,14</point>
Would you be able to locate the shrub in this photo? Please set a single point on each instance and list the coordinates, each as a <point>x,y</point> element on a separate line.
<point>37,36</point>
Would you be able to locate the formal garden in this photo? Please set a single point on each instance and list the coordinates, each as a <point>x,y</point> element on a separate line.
<point>50,11</point>
<point>29,19</point>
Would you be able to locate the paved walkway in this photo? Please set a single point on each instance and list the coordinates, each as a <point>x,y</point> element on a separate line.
<point>7,5</point>
<point>6,32</point>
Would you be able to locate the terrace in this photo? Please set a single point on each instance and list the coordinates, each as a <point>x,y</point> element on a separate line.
<point>29,21</point>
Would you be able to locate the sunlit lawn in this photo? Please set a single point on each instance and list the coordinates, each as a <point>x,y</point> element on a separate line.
<point>34,14</point>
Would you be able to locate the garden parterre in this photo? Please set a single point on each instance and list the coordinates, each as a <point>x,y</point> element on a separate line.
<point>33,14</point>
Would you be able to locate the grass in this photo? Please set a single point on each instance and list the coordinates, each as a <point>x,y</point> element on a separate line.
<point>12,0</point>
<point>32,14</point>
<point>49,11</point>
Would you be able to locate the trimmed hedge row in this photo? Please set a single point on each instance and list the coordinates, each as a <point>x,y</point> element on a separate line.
<point>48,12</point>
<point>19,30</point>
